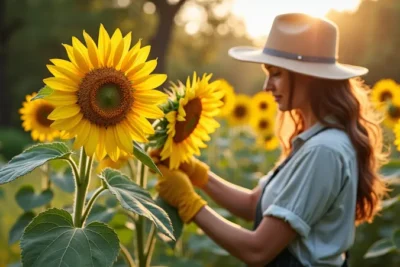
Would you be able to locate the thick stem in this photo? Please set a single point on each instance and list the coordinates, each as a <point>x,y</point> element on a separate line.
<point>127,256</point>
<point>89,205</point>
<point>81,188</point>
<point>140,242</point>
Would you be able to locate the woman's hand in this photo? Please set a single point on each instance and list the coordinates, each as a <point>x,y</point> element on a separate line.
<point>176,189</point>
<point>196,170</point>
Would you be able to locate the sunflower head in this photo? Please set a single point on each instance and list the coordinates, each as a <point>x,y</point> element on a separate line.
<point>241,112</point>
<point>383,92</point>
<point>228,99</point>
<point>262,124</point>
<point>264,103</point>
<point>189,119</point>
<point>34,118</point>
<point>103,95</point>
<point>268,141</point>
<point>392,113</point>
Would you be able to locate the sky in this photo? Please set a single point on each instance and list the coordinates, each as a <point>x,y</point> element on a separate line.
<point>259,14</point>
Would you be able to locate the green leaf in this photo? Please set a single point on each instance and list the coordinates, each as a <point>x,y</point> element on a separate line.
<point>2,193</point>
<point>52,240</point>
<point>100,213</point>
<point>45,91</point>
<point>32,158</point>
<point>19,226</point>
<point>380,248</point>
<point>28,200</point>
<point>387,203</point>
<point>391,169</point>
<point>64,180</point>
<point>141,155</point>
<point>136,199</point>
<point>396,238</point>
<point>175,220</point>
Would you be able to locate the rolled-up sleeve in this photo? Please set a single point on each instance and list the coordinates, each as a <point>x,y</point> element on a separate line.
<point>312,182</point>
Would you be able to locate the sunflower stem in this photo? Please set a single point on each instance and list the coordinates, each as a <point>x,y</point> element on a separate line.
<point>81,186</point>
<point>89,205</point>
<point>140,223</point>
<point>150,245</point>
<point>46,182</point>
<point>127,256</point>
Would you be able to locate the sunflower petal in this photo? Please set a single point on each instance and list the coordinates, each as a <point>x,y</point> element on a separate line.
<point>91,144</point>
<point>68,123</point>
<point>92,50</point>
<point>63,73</point>
<point>104,46</point>
<point>150,82</point>
<point>64,112</point>
<point>81,60</point>
<point>148,111</point>
<point>62,98</point>
<point>147,68</point>
<point>61,84</point>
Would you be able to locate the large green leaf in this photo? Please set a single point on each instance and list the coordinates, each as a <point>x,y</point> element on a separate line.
<point>32,158</point>
<point>380,248</point>
<point>141,155</point>
<point>64,180</point>
<point>52,240</point>
<point>2,193</point>
<point>175,220</point>
<point>134,198</point>
<point>100,213</point>
<point>28,200</point>
<point>387,203</point>
<point>396,238</point>
<point>45,91</point>
<point>19,226</point>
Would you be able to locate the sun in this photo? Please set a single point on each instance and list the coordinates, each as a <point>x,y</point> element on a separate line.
<point>103,96</point>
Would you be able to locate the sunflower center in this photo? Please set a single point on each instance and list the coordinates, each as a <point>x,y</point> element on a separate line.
<point>42,113</point>
<point>263,124</point>
<point>263,106</point>
<point>386,95</point>
<point>240,111</point>
<point>184,128</point>
<point>105,96</point>
<point>394,112</point>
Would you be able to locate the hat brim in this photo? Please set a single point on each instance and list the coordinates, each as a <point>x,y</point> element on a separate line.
<point>334,71</point>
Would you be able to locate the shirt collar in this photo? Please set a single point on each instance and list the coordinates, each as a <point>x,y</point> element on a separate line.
<point>304,136</point>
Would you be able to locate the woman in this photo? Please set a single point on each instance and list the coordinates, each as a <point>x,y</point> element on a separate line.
<point>306,209</point>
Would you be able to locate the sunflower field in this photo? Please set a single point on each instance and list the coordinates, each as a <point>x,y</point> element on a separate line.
<point>86,114</point>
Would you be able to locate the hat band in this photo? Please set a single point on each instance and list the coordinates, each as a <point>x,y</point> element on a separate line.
<point>278,53</point>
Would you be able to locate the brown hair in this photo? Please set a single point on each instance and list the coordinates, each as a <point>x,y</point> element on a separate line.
<point>348,102</point>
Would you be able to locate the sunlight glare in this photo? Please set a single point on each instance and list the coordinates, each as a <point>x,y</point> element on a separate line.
<point>258,16</point>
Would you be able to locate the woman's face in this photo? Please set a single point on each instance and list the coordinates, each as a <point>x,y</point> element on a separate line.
<point>277,82</point>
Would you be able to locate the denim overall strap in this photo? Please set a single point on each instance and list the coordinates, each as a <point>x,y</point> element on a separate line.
<point>285,258</point>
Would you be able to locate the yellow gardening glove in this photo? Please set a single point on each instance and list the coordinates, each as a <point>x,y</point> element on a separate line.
<point>195,169</point>
<point>176,189</point>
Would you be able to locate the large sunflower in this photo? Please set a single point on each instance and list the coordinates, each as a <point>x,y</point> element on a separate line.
<point>228,99</point>
<point>383,92</point>
<point>189,124</point>
<point>103,94</point>
<point>264,103</point>
<point>34,118</point>
<point>241,112</point>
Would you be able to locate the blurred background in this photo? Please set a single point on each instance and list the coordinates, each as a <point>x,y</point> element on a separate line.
<point>187,36</point>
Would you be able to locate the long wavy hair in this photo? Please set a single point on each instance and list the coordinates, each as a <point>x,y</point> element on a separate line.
<point>348,102</point>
